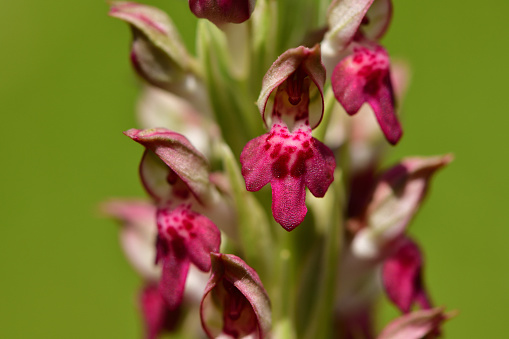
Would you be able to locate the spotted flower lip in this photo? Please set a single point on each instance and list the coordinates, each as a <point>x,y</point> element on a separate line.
<point>184,237</point>
<point>289,162</point>
<point>363,77</point>
<point>223,11</point>
<point>402,277</point>
<point>288,157</point>
<point>236,299</point>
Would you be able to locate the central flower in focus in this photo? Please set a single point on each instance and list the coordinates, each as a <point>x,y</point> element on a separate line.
<point>291,103</point>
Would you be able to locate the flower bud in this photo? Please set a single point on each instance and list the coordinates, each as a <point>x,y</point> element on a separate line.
<point>223,11</point>
<point>236,299</point>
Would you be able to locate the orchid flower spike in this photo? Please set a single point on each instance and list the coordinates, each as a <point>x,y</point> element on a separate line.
<point>291,105</point>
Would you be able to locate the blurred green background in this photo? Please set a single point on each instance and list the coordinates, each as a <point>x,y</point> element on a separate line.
<point>67,92</point>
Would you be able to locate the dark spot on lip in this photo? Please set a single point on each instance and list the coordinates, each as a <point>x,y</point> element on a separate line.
<point>280,167</point>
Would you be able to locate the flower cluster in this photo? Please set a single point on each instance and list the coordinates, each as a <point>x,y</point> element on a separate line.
<point>307,257</point>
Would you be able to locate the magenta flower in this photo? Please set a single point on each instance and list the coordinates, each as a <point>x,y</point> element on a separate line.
<point>364,77</point>
<point>291,103</point>
<point>157,317</point>
<point>236,294</point>
<point>416,325</point>
<point>223,11</point>
<point>402,277</point>
<point>361,66</point>
<point>175,174</point>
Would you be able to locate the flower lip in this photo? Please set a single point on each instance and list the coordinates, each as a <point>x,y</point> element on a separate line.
<point>364,77</point>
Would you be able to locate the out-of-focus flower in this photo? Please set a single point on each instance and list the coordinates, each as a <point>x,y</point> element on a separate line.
<point>236,299</point>
<point>402,277</point>
<point>395,200</point>
<point>416,325</point>
<point>158,318</point>
<point>223,11</point>
<point>364,77</point>
<point>291,103</point>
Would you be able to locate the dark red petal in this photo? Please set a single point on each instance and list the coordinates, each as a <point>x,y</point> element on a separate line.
<point>156,315</point>
<point>255,165</point>
<point>364,77</point>
<point>402,277</point>
<point>174,275</point>
<point>320,169</point>
<point>288,201</point>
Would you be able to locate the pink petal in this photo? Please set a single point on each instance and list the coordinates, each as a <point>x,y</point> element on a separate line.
<point>396,198</point>
<point>193,233</point>
<point>320,169</point>
<point>179,155</point>
<point>416,325</point>
<point>364,77</point>
<point>402,277</point>
<point>254,159</point>
<point>377,19</point>
<point>157,317</point>
<point>173,279</point>
<point>223,11</point>
<point>290,161</point>
<point>288,201</point>
<point>138,233</point>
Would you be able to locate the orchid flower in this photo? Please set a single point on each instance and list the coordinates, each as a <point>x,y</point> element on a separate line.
<point>238,292</point>
<point>361,71</point>
<point>291,103</point>
<point>175,174</point>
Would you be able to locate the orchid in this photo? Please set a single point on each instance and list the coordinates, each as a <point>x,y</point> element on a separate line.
<point>310,256</point>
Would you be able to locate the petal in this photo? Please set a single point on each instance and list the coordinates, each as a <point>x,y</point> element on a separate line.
<point>402,277</point>
<point>156,316</point>
<point>286,65</point>
<point>416,325</point>
<point>158,53</point>
<point>396,198</point>
<point>320,169</point>
<point>173,279</point>
<point>137,235</point>
<point>159,108</point>
<point>240,293</point>
<point>196,234</point>
<point>288,201</point>
<point>364,77</point>
<point>255,164</point>
<point>179,155</point>
<point>344,18</point>
<point>223,11</point>
<point>377,19</point>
